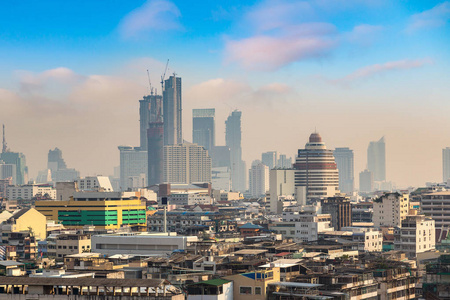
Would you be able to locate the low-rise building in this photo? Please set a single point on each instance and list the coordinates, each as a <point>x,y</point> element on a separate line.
<point>30,191</point>
<point>67,244</point>
<point>253,285</point>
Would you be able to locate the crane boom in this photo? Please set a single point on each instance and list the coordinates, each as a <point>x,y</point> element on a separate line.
<point>149,83</point>
<point>163,76</point>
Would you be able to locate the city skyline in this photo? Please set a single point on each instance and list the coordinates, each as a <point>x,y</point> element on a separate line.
<point>346,84</point>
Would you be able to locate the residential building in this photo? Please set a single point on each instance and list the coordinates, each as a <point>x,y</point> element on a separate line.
<point>258,179</point>
<point>366,184</point>
<point>368,239</point>
<point>4,183</point>
<point>140,243</point>
<point>390,209</point>
<point>376,159</point>
<point>233,136</point>
<point>253,285</point>
<point>316,171</point>
<point>133,168</point>
<point>68,244</point>
<point>172,108</point>
<point>281,186</point>
<point>30,191</point>
<point>345,164</point>
<point>26,220</point>
<point>437,206</point>
<point>186,163</point>
<point>362,212</point>
<point>203,128</point>
<point>270,159</point>
<point>182,199</point>
<point>340,210</point>
<point>416,235</point>
<point>94,183</point>
<point>214,289</point>
<point>104,210</point>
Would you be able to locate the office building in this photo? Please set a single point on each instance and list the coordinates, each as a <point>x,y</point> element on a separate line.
<point>186,163</point>
<point>437,205</point>
<point>203,128</point>
<point>94,183</point>
<point>58,168</point>
<point>416,235</point>
<point>340,210</point>
<point>446,164</point>
<point>221,178</point>
<point>284,162</point>
<point>233,136</point>
<point>220,156</point>
<point>316,173</point>
<point>155,163</point>
<point>345,164</point>
<point>104,210</point>
<point>366,181</point>
<point>133,168</point>
<point>390,210</point>
<point>376,160</point>
<point>172,111</point>
<point>19,161</point>
<point>30,191</point>
<point>7,171</point>
<point>150,109</point>
<point>270,159</point>
<point>281,186</point>
<point>258,179</point>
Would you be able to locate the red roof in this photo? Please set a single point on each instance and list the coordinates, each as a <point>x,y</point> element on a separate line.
<point>282,254</point>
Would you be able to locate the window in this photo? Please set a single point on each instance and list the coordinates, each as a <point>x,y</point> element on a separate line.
<point>257,290</point>
<point>245,290</point>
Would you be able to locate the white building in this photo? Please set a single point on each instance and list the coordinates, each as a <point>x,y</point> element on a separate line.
<point>390,209</point>
<point>95,183</point>
<point>133,168</point>
<point>221,178</point>
<point>258,179</point>
<point>29,191</point>
<point>417,235</point>
<point>140,243</point>
<point>303,227</point>
<point>7,171</point>
<point>368,239</point>
<point>189,199</point>
<point>186,163</point>
<point>282,185</point>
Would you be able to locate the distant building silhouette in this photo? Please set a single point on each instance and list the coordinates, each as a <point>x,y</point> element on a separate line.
<point>156,150</point>
<point>203,127</point>
<point>270,159</point>
<point>446,164</point>
<point>345,164</point>
<point>172,111</point>
<point>376,159</point>
<point>233,136</point>
<point>58,168</point>
<point>133,168</point>
<point>284,162</point>
<point>258,179</point>
<point>366,181</point>
<point>150,109</point>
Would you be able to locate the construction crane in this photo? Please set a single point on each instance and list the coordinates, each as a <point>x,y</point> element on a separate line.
<point>149,83</point>
<point>5,146</point>
<point>163,76</point>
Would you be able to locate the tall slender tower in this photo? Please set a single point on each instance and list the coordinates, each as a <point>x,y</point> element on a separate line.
<point>345,164</point>
<point>172,111</point>
<point>233,136</point>
<point>445,164</point>
<point>149,107</point>
<point>203,131</point>
<point>376,159</point>
<point>4,147</point>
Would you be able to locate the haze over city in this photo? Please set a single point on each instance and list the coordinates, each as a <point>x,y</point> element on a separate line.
<point>72,74</point>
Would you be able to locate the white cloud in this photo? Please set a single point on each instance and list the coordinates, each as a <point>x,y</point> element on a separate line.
<point>154,15</point>
<point>376,69</point>
<point>31,81</point>
<point>435,17</point>
<point>364,34</point>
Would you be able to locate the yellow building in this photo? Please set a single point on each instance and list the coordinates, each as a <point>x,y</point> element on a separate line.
<point>253,285</point>
<point>104,210</point>
<point>26,220</point>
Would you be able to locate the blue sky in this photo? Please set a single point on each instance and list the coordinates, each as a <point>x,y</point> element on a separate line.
<point>286,64</point>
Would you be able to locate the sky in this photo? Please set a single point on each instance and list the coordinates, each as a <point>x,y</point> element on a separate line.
<point>72,73</point>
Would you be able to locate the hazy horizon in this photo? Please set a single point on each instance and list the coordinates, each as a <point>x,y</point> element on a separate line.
<point>72,76</point>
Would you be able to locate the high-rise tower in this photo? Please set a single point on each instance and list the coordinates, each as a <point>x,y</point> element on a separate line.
<point>233,137</point>
<point>345,164</point>
<point>172,111</point>
<point>203,127</point>
<point>150,108</point>
<point>155,153</point>
<point>316,170</point>
<point>445,164</point>
<point>376,159</point>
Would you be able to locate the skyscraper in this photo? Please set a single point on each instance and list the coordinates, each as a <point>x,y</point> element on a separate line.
<point>58,168</point>
<point>258,179</point>
<point>186,163</point>
<point>155,153</point>
<point>233,136</point>
<point>16,159</point>
<point>376,159</point>
<point>270,159</point>
<point>133,168</point>
<point>150,108</point>
<point>446,164</point>
<point>203,127</point>
<point>345,164</point>
<point>366,181</point>
<point>284,162</point>
<point>172,111</point>
<point>316,171</point>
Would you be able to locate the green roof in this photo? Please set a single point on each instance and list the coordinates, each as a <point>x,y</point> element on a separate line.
<point>214,282</point>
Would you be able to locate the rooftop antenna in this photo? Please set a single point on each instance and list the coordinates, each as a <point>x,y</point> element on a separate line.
<point>4,148</point>
<point>163,76</point>
<point>149,83</point>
